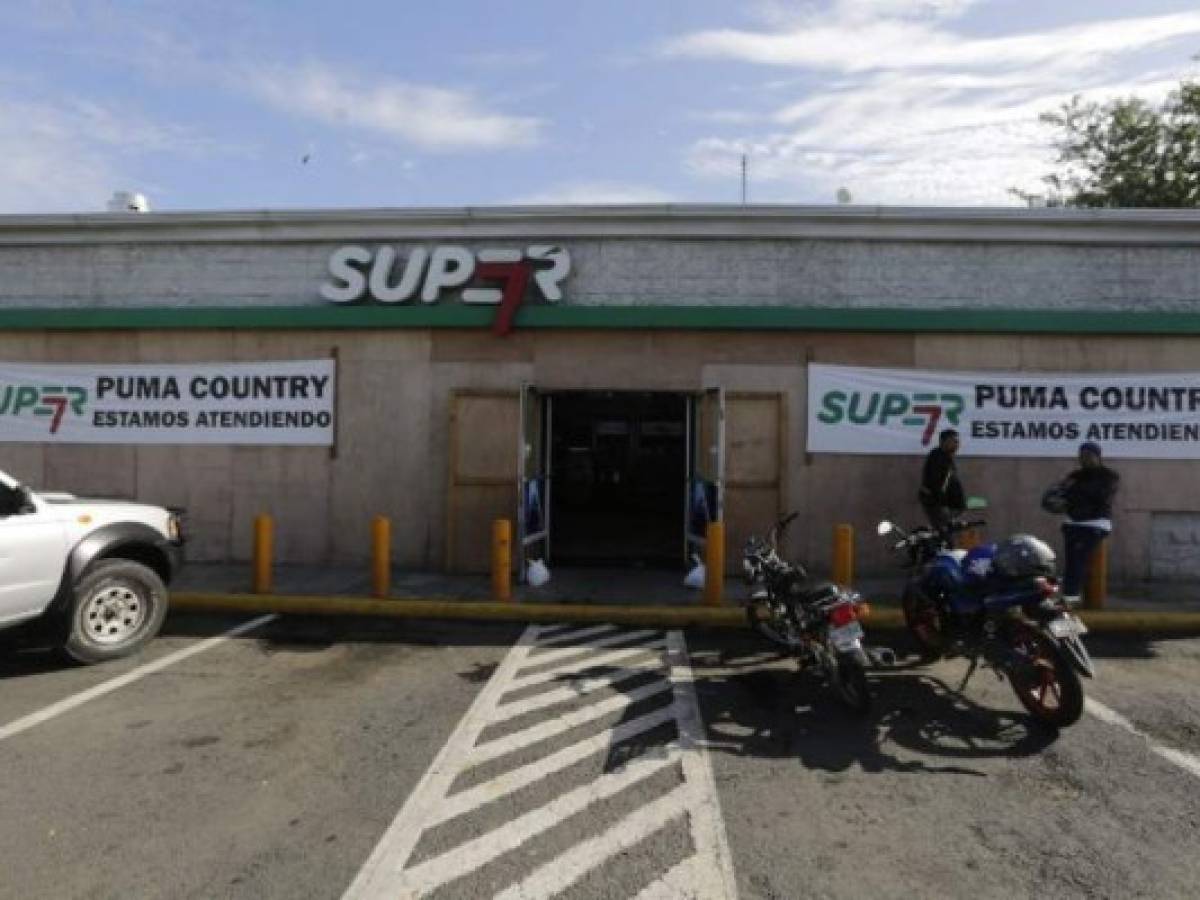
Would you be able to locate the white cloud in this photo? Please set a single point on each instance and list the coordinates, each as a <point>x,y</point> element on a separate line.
<point>895,105</point>
<point>903,9</point>
<point>842,44</point>
<point>432,118</point>
<point>788,14</point>
<point>599,193</point>
<point>504,59</point>
<point>729,117</point>
<point>902,140</point>
<point>69,155</point>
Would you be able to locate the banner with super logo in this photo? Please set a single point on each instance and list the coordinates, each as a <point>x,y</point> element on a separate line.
<point>289,402</point>
<point>1039,414</point>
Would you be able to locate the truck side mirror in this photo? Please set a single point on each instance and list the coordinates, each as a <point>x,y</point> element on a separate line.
<point>12,501</point>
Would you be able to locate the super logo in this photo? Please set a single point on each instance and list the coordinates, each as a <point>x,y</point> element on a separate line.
<point>918,410</point>
<point>52,401</point>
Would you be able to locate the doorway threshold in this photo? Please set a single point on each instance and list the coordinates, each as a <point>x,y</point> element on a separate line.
<point>610,586</point>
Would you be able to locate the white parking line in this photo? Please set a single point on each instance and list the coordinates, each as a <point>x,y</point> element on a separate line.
<point>107,687</point>
<point>1186,761</point>
<point>392,871</point>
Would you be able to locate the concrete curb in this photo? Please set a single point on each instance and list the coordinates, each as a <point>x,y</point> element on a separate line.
<point>881,618</point>
<point>449,608</point>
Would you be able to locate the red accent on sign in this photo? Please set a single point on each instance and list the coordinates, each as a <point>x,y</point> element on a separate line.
<point>935,416</point>
<point>516,278</point>
<point>60,407</point>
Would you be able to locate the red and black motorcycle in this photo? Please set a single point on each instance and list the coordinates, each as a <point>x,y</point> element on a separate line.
<point>816,622</point>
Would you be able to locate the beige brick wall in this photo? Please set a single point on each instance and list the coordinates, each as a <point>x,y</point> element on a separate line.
<point>395,391</point>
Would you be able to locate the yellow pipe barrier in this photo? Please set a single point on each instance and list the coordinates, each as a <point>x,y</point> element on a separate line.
<point>502,560</point>
<point>883,618</point>
<point>1095,592</point>
<point>843,555</point>
<point>381,557</point>
<point>714,563</point>
<point>264,552</point>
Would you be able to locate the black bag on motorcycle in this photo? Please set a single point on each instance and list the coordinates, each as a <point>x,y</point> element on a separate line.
<point>1023,556</point>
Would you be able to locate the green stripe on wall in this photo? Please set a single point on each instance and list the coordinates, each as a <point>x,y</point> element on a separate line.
<point>610,317</point>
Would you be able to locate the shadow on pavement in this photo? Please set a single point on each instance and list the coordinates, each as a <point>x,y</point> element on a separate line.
<point>28,651</point>
<point>753,706</point>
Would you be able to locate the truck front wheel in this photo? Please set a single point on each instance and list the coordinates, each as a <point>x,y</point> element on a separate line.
<point>118,607</point>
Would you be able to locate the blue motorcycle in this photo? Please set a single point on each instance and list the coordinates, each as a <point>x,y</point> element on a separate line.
<point>999,604</point>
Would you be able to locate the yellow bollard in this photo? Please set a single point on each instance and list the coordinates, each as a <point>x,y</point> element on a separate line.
<point>1095,592</point>
<point>502,560</point>
<point>264,552</point>
<point>381,557</point>
<point>714,563</point>
<point>843,554</point>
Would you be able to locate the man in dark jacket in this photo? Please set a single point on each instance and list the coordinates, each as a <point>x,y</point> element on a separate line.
<point>1089,492</point>
<point>941,492</point>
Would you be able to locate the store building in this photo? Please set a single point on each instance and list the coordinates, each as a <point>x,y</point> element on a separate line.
<point>626,371</point>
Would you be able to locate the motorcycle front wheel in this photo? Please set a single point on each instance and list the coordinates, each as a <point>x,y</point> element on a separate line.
<point>849,680</point>
<point>924,623</point>
<point>764,622</point>
<point>1044,680</point>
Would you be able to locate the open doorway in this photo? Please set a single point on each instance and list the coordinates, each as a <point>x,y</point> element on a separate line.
<point>619,463</point>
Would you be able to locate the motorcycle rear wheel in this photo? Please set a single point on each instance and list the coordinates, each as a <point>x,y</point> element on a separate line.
<point>850,684</point>
<point>1047,686</point>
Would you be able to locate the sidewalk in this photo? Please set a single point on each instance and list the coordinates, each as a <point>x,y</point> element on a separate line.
<point>610,587</point>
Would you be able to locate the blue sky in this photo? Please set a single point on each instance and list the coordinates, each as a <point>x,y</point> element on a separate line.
<point>221,104</point>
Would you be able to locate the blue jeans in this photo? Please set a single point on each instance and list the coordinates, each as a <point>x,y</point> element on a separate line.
<point>1081,542</point>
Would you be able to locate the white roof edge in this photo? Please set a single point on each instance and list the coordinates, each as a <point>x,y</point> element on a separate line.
<point>680,221</point>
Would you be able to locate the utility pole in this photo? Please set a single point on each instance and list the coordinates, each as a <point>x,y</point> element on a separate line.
<point>743,179</point>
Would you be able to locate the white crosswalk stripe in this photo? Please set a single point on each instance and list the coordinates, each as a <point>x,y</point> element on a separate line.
<point>548,729</point>
<point>599,661</point>
<point>532,793</point>
<point>594,644</point>
<point>581,688</point>
<point>510,782</point>
<point>575,635</point>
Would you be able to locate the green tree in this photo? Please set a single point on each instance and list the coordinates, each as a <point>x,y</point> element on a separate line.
<point>1127,153</point>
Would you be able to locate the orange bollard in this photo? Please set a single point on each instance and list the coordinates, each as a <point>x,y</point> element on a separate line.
<point>1095,592</point>
<point>381,557</point>
<point>843,554</point>
<point>502,560</point>
<point>264,552</point>
<point>714,563</point>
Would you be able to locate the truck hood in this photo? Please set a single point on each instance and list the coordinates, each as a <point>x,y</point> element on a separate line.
<point>99,512</point>
<point>59,499</point>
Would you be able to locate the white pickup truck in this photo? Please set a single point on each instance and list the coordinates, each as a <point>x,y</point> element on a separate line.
<point>91,573</point>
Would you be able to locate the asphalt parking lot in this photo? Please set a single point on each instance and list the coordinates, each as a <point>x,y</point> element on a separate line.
<point>309,757</point>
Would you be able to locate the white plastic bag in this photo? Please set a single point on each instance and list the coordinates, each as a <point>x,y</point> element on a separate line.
<point>536,573</point>
<point>695,577</point>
